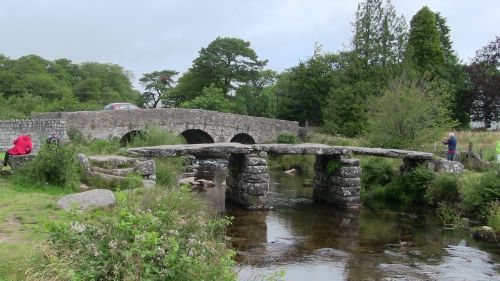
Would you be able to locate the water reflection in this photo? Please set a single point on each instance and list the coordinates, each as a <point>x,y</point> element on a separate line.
<point>318,242</point>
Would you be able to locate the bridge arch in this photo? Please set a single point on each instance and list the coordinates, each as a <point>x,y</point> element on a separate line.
<point>128,137</point>
<point>243,138</point>
<point>194,136</point>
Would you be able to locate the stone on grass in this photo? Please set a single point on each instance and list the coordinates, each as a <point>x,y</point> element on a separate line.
<point>96,198</point>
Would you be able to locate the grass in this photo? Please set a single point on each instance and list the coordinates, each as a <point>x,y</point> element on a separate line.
<point>23,215</point>
<point>483,143</point>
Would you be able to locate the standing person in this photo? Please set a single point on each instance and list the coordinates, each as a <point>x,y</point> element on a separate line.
<point>451,141</point>
<point>22,145</point>
<point>498,152</point>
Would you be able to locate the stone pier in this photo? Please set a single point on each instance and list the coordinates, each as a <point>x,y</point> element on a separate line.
<point>337,181</point>
<point>248,181</point>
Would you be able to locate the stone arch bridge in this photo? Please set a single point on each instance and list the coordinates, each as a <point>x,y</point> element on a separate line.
<point>195,125</point>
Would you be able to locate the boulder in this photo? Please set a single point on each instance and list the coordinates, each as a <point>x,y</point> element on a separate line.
<point>84,161</point>
<point>16,161</point>
<point>190,181</point>
<point>96,198</point>
<point>147,167</point>
<point>291,171</point>
<point>441,165</point>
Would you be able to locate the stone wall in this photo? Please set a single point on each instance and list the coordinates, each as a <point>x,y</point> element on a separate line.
<point>39,130</point>
<point>221,126</point>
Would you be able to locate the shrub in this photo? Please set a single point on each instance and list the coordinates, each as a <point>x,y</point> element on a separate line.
<point>405,190</point>
<point>443,188</point>
<point>155,136</point>
<point>304,164</point>
<point>377,171</point>
<point>167,170</point>
<point>447,213</point>
<point>156,236</point>
<point>494,215</point>
<point>479,190</point>
<point>55,165</point>
<point>288,138</point>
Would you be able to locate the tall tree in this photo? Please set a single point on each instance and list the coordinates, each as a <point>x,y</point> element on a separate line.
<point>225,62</point>
<point>302,90</point>
<point>484,75</point>
<point>424,43</point>
<point>158,85</point>
<point>379,33</point>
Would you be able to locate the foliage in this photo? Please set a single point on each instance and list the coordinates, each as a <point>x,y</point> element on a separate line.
<point>335,140</point>
<point>302,90</point>
<point>168,169</point>
<point>345,113</point>
<point>379,34</point>
<point>32,83</point>
<point>447,213</point>
<point>153,237</point>
<point>288,138</point>
<point>226,63</point>
<point>493,215</point>
<point>212,98</point>
<point>424,41</point>
<point>257,97</point>
<point>377,171</point>
<point>333,166</point>
<point>443,188</point>
<point>154,135</point>
<point>405,190</point>
<point>158,85</point>
<point>408,115</point>
<point>484,75</point>
<point>54,164</point>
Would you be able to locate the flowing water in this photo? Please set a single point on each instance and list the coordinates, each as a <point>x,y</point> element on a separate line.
<point>316,242</point>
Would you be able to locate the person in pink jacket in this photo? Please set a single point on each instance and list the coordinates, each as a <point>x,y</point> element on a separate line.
<point>22,145</point>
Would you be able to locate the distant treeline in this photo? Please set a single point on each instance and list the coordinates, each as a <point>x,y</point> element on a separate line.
<point>32,83</point>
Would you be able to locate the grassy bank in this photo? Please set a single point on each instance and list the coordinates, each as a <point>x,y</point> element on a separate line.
<point>24,213</point>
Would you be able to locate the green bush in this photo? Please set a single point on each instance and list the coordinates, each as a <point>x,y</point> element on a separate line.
<point>404,191</point>
<point>167,170</point>
<point>447,213</point>
<point>288,138</point>
<point>156,236</point>
<point>478,190</point>
<point>154,135</point>
<point>493,216</point>
<point>377,171</point>
<point>54,165</point>
<point>443,188</point>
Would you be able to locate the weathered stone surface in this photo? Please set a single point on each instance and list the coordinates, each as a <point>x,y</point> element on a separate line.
<point>189,180</point>
<point>290,172</point>
<point>222,127</point>
<point>188,149</point>
<point>348,172</point>
<point>96,198</point>
<point>83,160</point>
<point>16,161</point>
<point>106,177</point>
<point>246,177</point>
<point>255,161</point>
<point>83,187</point>
<point>441,165</point>
<point>346,182</point>
<point>255,169</point>
<point>303,148</point>
<point>254,189</point>
<point>206,183</point>
<point>249,202</point>
<point>391,153</point>
<point>115,160</point>
<point>349,162</point>
<point>147,167</point>
<point>114,172</point>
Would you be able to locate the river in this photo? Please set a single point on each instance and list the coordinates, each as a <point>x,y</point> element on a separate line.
<point>318,242</point>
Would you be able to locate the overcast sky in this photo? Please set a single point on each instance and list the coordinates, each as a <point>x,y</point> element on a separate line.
<point>143,36</point>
